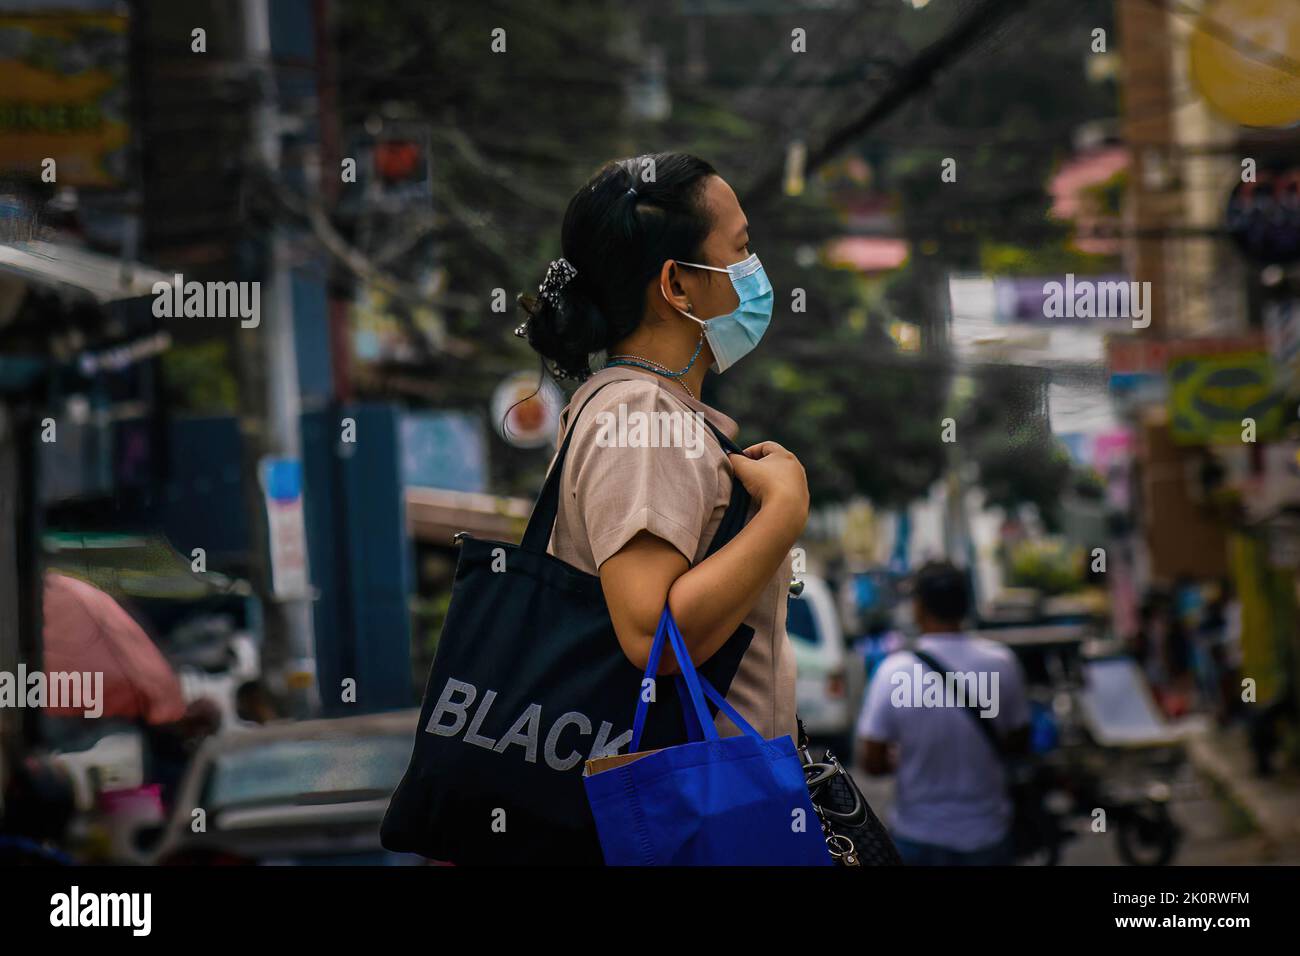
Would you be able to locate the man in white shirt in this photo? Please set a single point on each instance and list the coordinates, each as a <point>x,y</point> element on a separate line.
<point>951,805</point>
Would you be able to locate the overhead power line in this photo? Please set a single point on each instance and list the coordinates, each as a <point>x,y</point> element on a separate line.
<point>914,77</point>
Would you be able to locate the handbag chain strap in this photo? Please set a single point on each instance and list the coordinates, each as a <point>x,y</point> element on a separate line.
<point>818,775</point>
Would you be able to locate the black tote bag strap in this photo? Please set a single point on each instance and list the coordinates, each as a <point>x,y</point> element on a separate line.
<point>737,513</point>
<point>542,522</point>
<point>986,726</point>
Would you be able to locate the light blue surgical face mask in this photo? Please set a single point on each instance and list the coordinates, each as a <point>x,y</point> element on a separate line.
<point>734,335</point>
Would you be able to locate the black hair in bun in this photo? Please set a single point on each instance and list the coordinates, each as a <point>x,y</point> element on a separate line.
<point>619,229</point>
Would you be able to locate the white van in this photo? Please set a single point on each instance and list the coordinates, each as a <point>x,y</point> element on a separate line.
<point>831,677</point>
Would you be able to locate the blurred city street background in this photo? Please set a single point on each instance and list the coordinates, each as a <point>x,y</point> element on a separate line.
<point>1037,273</point>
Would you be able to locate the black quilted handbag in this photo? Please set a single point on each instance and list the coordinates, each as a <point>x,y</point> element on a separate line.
<point>854,834</point>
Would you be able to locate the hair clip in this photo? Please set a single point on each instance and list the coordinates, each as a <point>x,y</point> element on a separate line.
<point>558,275</point>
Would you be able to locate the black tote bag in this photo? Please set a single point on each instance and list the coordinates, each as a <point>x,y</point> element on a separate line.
<point>529,682</point>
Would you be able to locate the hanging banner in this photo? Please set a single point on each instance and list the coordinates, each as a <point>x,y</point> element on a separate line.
<point>282,491</point>
<point>1135,361</point>
<point>63,97</point>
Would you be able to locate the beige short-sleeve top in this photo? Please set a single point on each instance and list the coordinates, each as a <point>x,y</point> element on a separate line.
<point>628,471</point>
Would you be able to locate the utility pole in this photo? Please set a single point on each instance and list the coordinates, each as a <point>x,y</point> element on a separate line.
<point>1152,201</point>
<point>288,652</point>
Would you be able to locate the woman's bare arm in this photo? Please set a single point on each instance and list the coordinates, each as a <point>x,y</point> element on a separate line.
<point>710,600</point>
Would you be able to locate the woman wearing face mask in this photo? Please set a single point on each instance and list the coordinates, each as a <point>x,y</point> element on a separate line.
<point>656,285</point>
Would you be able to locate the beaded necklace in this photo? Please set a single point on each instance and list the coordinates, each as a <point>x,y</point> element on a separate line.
<point>658,368</point>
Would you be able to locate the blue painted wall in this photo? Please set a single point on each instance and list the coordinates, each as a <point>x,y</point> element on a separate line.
<point>361,557</point>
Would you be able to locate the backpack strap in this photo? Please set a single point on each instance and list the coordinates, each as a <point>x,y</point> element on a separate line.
<point>985,726</point>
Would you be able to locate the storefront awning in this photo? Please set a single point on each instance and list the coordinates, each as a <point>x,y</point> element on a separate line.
<point>134,566</point>
<point>434,515</point>
<point>103,278</point>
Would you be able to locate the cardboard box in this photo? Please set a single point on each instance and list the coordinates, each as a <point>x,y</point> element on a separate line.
<point>593,767</point>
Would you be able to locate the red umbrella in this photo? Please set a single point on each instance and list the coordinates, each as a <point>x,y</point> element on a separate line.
<point>87,631</point>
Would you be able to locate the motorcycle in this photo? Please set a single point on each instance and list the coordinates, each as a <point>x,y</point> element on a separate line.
<point>1050,794</point>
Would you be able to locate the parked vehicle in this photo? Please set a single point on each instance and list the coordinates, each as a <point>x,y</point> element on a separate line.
<point>831,677</point>
<point>1073,786</point>
<point>309,792</point>
<point>1110,749</point>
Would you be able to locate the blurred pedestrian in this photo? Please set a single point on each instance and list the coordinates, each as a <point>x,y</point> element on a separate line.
<point>171,746</point>
<point>951,803</point>
<point>1206,644</point>
<point>37,805</point>
<point>1228,655</point>
<point>253,703</point>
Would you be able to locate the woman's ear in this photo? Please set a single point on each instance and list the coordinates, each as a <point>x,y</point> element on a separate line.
<point>670,287</point>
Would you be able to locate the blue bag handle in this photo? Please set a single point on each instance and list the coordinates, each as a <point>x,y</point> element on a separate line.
<point>709,690</point>
<point>692,702</point>
<point>651,669</point>
<point>721,703</point>
<point>695,685</point>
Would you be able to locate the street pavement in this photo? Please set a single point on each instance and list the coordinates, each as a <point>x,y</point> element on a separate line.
<point>1216,830</point>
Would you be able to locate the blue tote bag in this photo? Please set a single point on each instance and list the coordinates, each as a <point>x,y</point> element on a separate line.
<point>714,801</point>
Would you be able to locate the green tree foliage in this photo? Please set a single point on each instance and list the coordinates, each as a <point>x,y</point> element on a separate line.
<point>1003,428</point>
<point>514,134</point>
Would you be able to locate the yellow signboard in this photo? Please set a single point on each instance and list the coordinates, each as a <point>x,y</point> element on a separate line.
<point>1245,60</point>
<point>63,97</point>
<point>1223,398</point>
